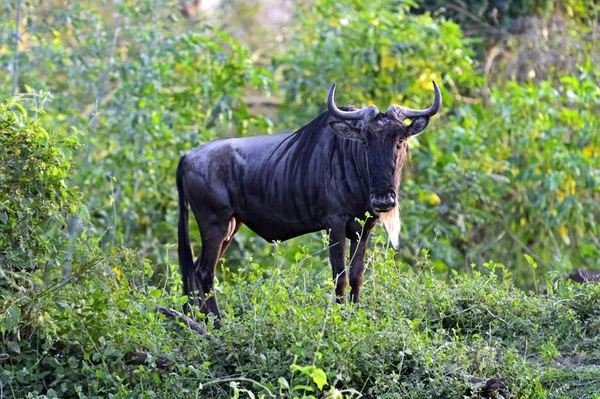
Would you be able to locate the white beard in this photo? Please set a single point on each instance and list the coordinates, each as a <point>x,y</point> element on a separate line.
<point>391,222</point>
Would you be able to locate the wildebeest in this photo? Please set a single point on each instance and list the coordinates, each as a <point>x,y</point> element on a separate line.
<point>329,173</point>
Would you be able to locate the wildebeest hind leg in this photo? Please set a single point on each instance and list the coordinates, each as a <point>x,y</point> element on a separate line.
<point>206,265</point>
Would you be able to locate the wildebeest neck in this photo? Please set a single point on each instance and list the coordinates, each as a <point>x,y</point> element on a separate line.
<point>318,164</point>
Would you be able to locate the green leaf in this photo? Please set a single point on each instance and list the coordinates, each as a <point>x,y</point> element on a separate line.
<point>283,383</point>
<point>319,377</point>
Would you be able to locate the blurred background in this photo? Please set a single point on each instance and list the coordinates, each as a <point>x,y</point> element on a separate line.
<point>511,166</point>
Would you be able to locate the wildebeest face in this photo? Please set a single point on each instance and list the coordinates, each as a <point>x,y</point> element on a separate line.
<point>384,136</point>
<point>385,141</point>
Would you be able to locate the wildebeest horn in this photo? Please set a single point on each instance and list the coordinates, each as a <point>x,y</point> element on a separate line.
<point>400,113</point>
<point>355,115</point>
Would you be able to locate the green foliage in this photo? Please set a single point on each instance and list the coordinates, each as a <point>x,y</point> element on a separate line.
<point>517,174</point>
<point>58,294</point>
<point>148,89</point>
<point>412,336</point>
<point>376,51</point>
<point>35,205</point>
<point>34,167</point>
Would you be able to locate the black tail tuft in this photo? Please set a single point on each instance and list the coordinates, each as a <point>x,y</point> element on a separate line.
<point>186,260</point>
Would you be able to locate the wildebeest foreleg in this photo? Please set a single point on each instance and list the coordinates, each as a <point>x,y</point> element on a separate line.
<point>337,257</point>
<point>358,248</point>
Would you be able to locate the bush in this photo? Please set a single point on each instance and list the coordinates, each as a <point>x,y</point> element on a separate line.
<point>34,198</point>
<point>57,292</point>
<point>485,18</point>
<point>514,175</point>
<point>35,205</point>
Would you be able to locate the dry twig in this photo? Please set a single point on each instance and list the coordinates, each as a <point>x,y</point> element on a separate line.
<point>194,325</point>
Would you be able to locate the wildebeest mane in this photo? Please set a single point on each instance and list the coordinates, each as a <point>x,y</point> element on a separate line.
<point>300,145</point>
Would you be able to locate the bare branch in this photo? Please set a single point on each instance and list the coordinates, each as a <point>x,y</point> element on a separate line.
<point>257,101</point>
<point>194,325</point>
<point>495,316</point>
<point>477,20</point>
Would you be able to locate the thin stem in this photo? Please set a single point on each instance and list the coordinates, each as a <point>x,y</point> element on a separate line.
<point>94,120</point>
<point>15,66</point>
<point>323,329</point>
<point>221,380</point>
<point>102,88</point>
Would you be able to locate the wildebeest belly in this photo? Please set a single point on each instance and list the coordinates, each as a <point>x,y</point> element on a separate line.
<point>275,229</point>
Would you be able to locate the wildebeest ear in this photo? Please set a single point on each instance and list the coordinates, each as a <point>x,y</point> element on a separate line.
<point>345,130</point>
<point>417,126</point>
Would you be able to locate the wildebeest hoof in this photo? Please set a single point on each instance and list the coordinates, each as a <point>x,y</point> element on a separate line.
<point>583,276</point>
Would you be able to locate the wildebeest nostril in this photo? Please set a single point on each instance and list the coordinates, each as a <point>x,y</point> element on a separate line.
<point>383,202</point>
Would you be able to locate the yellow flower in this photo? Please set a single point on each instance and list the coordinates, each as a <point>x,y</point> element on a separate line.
<point>432,198</point>
<point>117,272</point>
<point>572,185</point>
<point>589,150</point>
<point>564,233</point>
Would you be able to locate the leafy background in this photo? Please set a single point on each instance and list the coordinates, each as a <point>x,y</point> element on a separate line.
<point>108,95</point>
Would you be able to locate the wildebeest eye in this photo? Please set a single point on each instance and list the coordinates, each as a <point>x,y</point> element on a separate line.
<point>399,143</point>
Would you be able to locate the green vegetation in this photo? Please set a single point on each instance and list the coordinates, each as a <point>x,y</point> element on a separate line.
<point>509,172</point>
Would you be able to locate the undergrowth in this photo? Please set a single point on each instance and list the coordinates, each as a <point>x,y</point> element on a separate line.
<point>411,336</point>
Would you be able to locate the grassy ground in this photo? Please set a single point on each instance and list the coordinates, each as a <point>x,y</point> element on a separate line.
<point>412,336</point>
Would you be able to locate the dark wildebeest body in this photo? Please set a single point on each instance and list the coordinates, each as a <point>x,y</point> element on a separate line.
<point>324,176</point>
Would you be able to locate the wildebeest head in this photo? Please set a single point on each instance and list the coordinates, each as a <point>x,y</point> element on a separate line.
<point>384,136</point>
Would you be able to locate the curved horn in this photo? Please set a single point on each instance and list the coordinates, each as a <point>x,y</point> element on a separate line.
<point>353,115</point>
<point>400,113</point>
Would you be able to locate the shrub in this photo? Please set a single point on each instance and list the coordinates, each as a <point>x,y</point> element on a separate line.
<point>513,175</point>
<point>34,197</point>
<point>53,285</point>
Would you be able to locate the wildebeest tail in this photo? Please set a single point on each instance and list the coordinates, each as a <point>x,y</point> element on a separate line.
<point>184,249</point>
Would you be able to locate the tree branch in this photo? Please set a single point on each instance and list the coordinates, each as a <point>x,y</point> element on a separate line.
<point>476,20</point>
